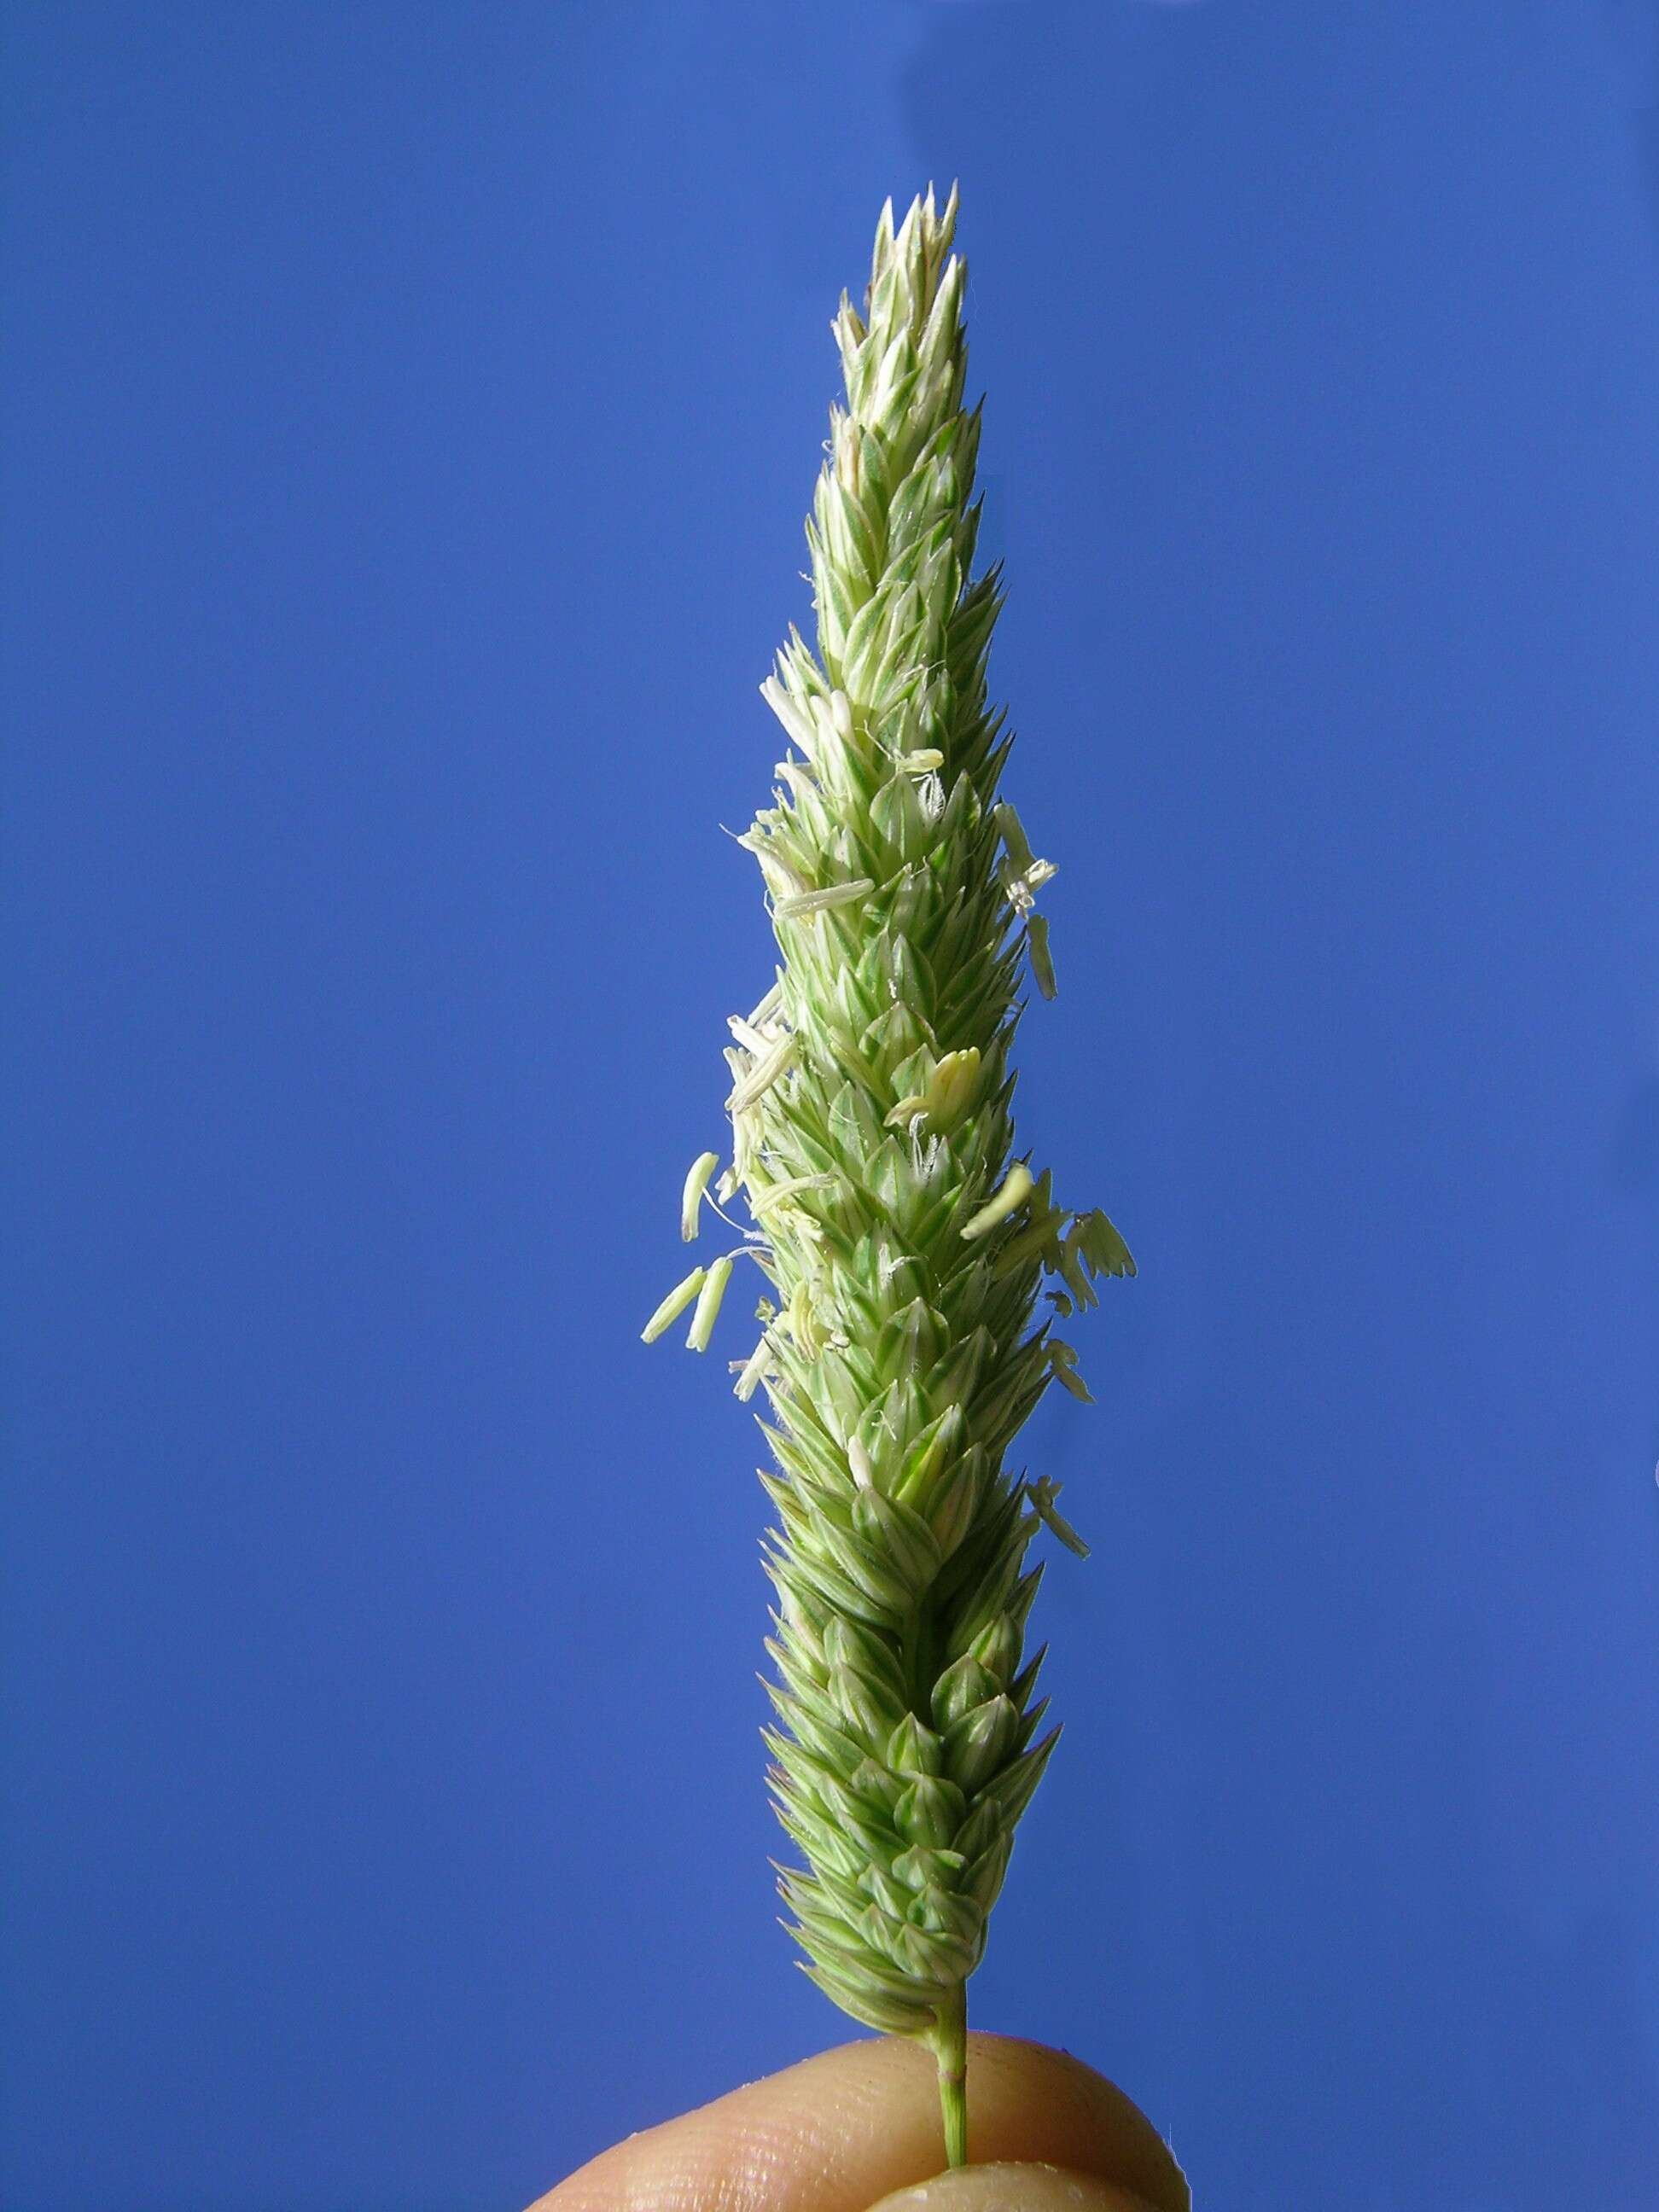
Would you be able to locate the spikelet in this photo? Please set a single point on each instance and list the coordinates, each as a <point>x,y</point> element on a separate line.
<point>906,1246</point>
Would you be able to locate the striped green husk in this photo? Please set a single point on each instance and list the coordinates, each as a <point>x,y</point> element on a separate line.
<point>905,1246</point>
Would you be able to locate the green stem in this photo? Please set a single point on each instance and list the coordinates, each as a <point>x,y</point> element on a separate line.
<point>950,2049</point>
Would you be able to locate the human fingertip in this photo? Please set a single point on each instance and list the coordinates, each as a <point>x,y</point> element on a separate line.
<point>1010,2187</point>
<point>1029,2103</point>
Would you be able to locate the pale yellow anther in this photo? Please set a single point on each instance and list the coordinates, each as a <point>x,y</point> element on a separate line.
<point>691,1198</point>
<point>1017,844</point>
<point>708,1306</point>
<point>672,1306</point>
<point>1042,1495</point>
<point>1017,1187</point>
<point>1062,1365</point>
<point>1043,960</point>
<point>951,1090</point>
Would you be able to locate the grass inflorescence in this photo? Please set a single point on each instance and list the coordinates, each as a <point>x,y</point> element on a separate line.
<point>908,1251</point>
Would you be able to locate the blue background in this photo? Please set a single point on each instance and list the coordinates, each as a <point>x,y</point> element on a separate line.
<point>411,410</point>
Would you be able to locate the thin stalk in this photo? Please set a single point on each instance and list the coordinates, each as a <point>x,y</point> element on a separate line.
<point>951,2048</point>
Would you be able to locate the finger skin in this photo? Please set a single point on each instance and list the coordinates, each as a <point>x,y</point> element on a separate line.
<point>1014,2188</point>
<point>840,2131</point>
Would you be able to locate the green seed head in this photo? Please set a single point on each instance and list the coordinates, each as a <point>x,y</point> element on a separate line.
<point>907,1247</point>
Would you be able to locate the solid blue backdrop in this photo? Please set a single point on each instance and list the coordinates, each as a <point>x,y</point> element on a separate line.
<point>411,410</point>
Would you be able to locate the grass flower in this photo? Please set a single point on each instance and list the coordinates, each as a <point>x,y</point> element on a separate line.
<point>908,1247</point>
